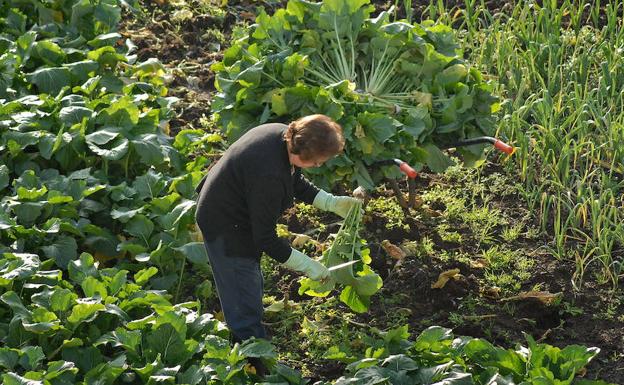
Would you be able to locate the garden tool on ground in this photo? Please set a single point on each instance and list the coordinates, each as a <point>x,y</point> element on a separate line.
<point>411,174</point>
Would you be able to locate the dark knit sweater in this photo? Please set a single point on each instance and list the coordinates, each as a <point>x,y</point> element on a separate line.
<point>245,193</point>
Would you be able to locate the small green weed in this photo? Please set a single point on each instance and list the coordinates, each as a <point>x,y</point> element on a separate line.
<point>513,232</point>
<point>310,215</point>
<point>455,319</point>
<point>507,268</point>
<point>482,222</point>
<point>454,205</point>
<point>448,235</point>
<point>390,211</point>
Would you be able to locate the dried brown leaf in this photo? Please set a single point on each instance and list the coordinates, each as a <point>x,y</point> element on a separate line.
<point>360,193</point>
<point>300,240</point>
<point>480,263</point>
<point>394,251</point>
<point>431,213</point>
<point>545,297</point>
<point>248,15</point>
<point>491,292</point>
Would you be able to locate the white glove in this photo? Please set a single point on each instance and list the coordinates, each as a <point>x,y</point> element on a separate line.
<point>336,204</point>
<point>300,262</point>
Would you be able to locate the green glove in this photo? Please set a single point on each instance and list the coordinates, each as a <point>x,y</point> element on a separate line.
<point>336,204</point>
<point>301,262</point>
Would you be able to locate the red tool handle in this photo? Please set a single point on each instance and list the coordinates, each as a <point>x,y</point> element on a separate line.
<point>504,147</point>
<point>406,169</point>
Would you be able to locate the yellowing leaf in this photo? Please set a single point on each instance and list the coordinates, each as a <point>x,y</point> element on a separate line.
<point>309,326</point>
<point>444,277</point>
<point>250,369</point>
<point>423,98</point>
<point>359,131</point>
<point>278,104</point>
<point>275,307</point>
<point>367,144</point>
<point>300,240</point>
<point>105,258</point>
<point>195,234</point>
<point>280,306</point>
<point>164,126</point>
<point>282,230</point>
<point>58,16</point>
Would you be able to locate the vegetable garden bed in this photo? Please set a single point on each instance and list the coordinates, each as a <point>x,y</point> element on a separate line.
<point>102,278</point>
<point>578,319</point>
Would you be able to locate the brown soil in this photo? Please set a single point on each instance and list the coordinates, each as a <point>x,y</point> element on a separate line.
<point>500,322</point>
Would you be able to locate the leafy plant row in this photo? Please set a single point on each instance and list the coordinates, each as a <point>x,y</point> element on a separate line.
<point>105,326</point>
<point>87,163</point>
<point>436,356</point>
<point>90,177</point>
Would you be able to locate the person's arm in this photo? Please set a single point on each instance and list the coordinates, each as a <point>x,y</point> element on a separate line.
<point>304,190</point>
<point>339,205</point>
<point>307,192</point>
<point>264,203</point>
<point>200,185</point>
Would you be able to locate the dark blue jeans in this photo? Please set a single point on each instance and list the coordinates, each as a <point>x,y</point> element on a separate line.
<point>240,287</point>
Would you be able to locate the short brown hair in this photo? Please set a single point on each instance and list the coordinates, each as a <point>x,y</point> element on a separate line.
<point>314,136</point>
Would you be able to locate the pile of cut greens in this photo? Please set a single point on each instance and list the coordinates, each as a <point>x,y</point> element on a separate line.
<point>399,90</point>
<point>358,286</point>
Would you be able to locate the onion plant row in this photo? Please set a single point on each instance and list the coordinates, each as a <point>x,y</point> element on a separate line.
<point>559,68</point>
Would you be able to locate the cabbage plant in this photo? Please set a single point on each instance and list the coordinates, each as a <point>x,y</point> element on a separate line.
<point>399,90</point>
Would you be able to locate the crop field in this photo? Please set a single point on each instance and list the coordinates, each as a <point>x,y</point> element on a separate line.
<point>489,267</point>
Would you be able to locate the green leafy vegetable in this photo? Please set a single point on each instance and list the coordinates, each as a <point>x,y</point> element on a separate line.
<point>399,90</point>
<point>358,285</point>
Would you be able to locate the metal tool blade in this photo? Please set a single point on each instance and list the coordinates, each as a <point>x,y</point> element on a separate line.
<point>341,265</point>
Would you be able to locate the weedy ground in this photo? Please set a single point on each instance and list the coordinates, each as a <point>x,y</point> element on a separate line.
<point>508,282</point>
